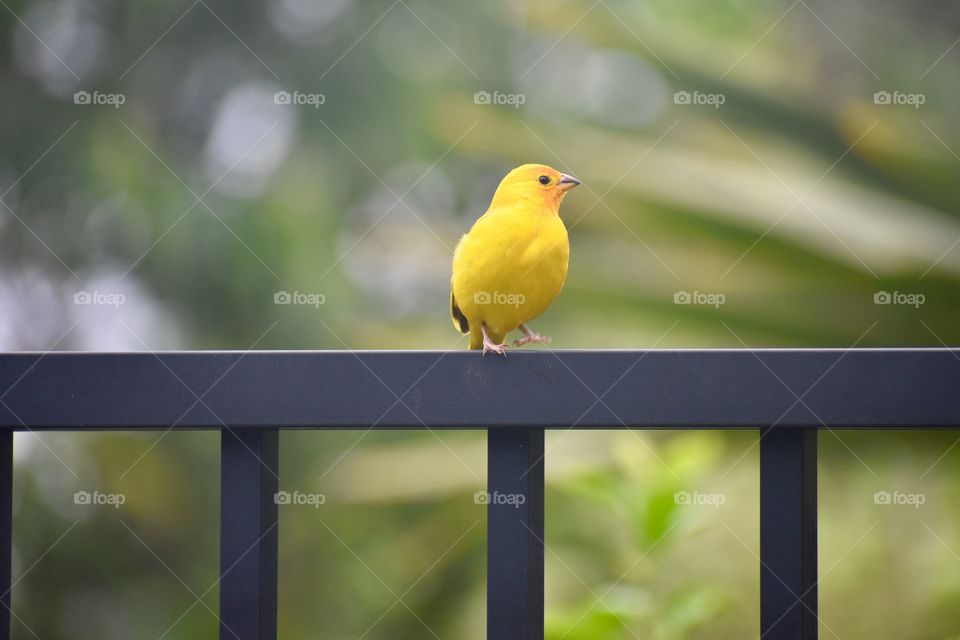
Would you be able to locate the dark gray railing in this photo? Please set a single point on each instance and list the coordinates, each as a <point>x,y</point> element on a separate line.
<point>785,394</point>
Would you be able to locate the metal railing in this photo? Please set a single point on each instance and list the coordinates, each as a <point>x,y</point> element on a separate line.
<point>787,395</point>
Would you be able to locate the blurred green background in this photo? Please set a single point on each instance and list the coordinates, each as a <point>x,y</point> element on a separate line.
<point>168,169</point>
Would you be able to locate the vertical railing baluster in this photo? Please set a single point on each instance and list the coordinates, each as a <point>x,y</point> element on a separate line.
<point>515,534</point>
<point>6,529</point>
<point>788,534</point>
<point>248,534</point>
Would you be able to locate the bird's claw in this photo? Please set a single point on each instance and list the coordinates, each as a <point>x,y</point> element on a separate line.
<point>532,337</point>
<point>500,349</point>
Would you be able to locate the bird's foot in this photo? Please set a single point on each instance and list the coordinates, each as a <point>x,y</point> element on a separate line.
<point>535,338</point>
<point>489,345</point>
<point>530,336</point>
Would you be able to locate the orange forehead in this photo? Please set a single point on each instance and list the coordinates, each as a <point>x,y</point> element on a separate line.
<point>532,172</point>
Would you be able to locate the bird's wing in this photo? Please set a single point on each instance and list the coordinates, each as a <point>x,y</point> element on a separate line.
<point>459,320</point>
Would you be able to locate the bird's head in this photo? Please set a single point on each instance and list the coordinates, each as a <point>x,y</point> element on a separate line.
<point>536,183</point>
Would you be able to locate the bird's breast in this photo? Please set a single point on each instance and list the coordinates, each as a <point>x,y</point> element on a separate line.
<point>509,273</point>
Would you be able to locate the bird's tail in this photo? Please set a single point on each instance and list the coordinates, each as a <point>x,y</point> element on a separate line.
<point>476,339</point>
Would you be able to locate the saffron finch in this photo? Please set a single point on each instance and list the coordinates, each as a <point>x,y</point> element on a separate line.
<point>513,262</point>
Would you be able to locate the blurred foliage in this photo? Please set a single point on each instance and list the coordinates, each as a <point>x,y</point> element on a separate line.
<point>198,199</point>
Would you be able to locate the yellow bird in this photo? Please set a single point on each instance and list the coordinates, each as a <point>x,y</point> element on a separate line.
<point>513,262</point>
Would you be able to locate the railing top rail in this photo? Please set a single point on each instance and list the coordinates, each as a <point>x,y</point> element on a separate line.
<point>675,388</point>
<point>525,352</point>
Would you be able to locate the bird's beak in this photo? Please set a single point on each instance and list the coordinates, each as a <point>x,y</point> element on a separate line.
<point>567,182</point>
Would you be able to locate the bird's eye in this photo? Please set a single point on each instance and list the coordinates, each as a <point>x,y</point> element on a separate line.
<point>543,180</point>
